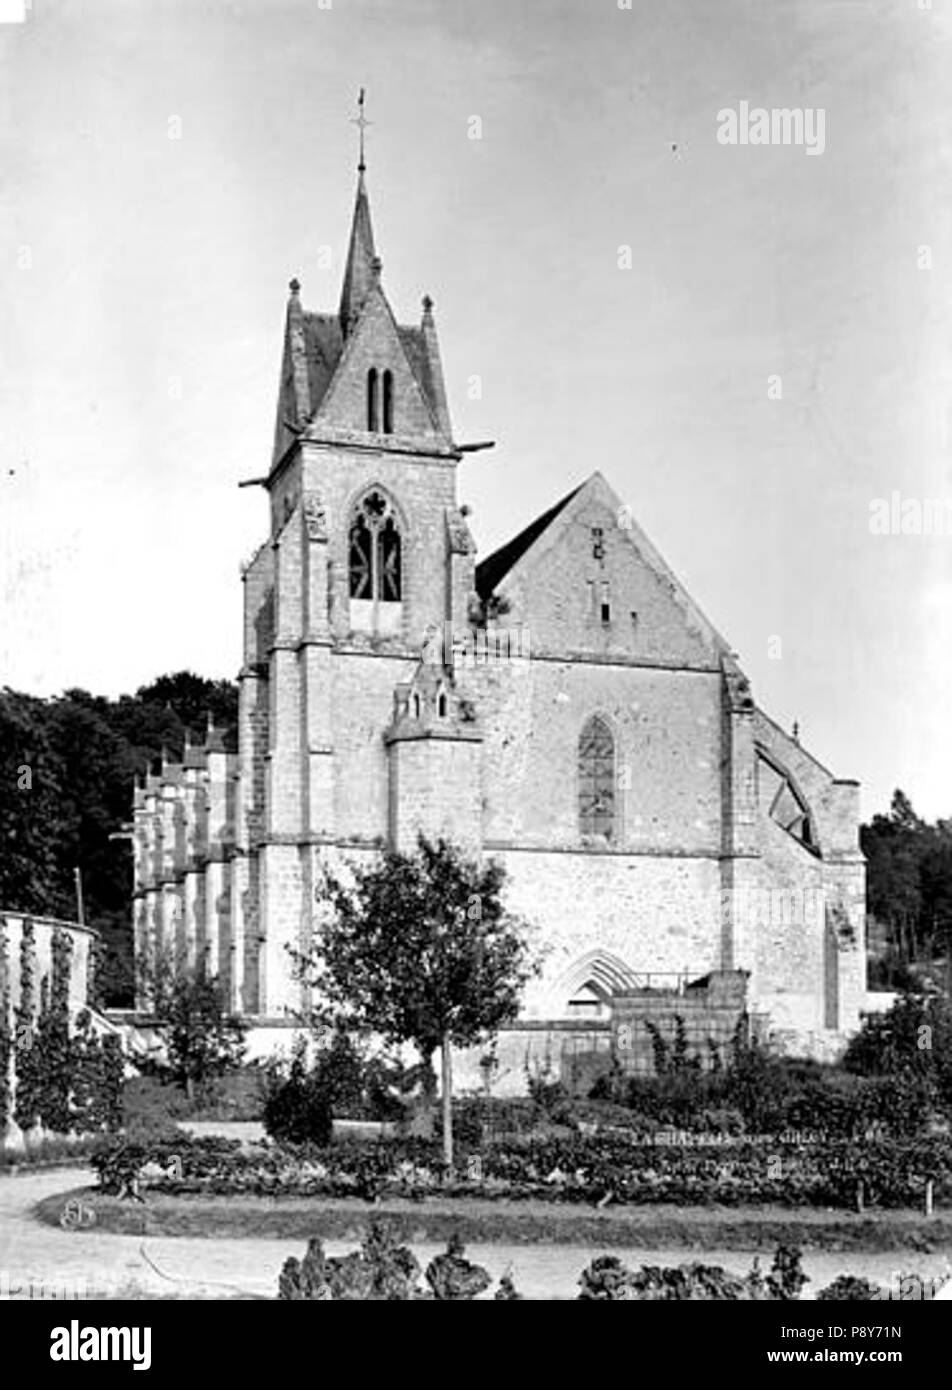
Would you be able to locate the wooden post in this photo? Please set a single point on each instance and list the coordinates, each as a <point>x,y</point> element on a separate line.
<point>447,1105</point>
<point>929,1196</point>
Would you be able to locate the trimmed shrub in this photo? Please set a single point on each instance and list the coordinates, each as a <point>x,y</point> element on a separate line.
<point>381,1271</point>
<point>297,1108</point>
<point>453,1278</point>
<point>339,1074</point>
<point>849,1288</point>
<point>607,1279</point>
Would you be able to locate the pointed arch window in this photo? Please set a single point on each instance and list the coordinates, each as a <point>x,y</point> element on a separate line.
<point>373,401</point>
<point>388,402</point>
<point>596,780</point>
<point>376,572</point>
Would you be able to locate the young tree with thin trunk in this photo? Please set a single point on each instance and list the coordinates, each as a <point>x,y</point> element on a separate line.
<point>418,948</point>
<point>202,1038</point>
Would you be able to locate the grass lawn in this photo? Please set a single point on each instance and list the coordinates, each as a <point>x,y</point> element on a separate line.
<point>512,1222</point>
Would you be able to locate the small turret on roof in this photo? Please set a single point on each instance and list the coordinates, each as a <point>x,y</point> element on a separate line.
<point>214,738</point>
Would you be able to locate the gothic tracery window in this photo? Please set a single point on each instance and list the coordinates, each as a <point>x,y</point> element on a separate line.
<point>596,779</point>
<point>375,553</point>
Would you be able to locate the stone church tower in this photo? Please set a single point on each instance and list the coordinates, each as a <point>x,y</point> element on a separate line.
<point>653,821</point>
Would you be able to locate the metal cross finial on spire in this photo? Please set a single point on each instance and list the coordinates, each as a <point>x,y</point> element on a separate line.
<point>360,120</point>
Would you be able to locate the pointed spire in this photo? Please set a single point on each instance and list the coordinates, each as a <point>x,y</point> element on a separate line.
<point>437,385</point>
<point>294,390</point>
<point>361,269</point>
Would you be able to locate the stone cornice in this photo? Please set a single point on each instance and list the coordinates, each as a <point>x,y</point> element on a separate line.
<point>607,851</point>
<point>324,437</point>
<point>411,732</point>
<point>295,840</point>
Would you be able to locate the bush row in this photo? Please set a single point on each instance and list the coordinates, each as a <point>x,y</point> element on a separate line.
<point>591,1170</point>
<point>762,1094</point>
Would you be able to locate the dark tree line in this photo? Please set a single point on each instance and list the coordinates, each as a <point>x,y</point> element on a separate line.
<point>909,882</point>
<point>67,769</point>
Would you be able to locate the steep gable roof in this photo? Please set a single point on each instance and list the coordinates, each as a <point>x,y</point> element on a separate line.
<point>414,345</point>
<point>377,337</point>
<point>542,532</point>
<point>495,567</point>
<point>324,343</point>
<point>312,350</point>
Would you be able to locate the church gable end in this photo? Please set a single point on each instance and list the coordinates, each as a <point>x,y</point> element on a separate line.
<point>375,389</point>
<point>589,582</point>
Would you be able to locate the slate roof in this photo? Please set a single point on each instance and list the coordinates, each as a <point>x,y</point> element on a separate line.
<point>491,571</point>
<point>323,343</point>
<point>414,345</point>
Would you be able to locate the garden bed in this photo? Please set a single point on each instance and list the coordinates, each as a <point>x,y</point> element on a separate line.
<point>434,1219</point>
<point>594,1171</point>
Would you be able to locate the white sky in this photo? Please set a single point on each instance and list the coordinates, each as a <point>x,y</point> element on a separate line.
<point>144,283</point>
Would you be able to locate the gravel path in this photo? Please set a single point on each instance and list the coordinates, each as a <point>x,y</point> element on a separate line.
<point>83,1262</point>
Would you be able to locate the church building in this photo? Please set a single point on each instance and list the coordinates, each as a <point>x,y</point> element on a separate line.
<point>561,705</point>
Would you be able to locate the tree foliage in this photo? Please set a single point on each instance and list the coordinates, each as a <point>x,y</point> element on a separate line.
<point>419,947</point>
<point>67,770</point>
<point>298,1106</point>
<point>203,1038</point>
<point>912,1043</point>
<point>909,880</point>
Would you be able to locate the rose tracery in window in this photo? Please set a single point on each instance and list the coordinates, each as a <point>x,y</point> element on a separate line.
<point>375,552</point>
